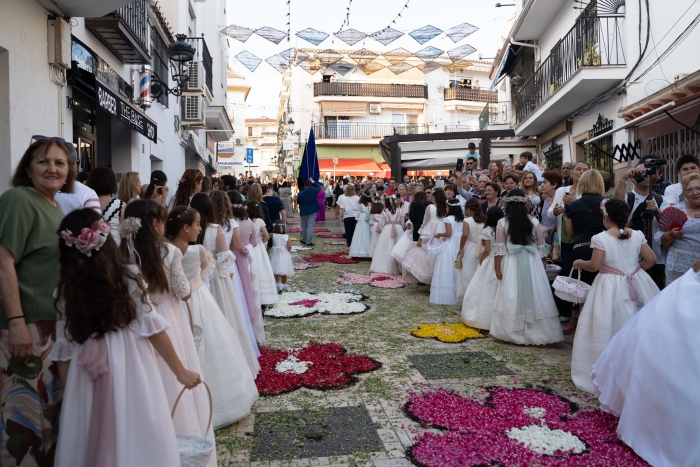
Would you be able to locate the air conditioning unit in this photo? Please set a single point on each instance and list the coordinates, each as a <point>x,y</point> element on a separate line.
<point>375,108</point>
<point>239,141</point>
<point>197,77</point>
<point>679,77</point>
<point>192,109</point>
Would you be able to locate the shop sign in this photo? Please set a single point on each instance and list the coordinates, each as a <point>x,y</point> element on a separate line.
<point>123,111</point>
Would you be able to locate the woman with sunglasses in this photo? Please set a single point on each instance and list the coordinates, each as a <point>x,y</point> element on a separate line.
<point>683,244</point>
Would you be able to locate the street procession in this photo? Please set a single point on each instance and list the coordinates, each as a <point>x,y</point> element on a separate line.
<point>349,234</point>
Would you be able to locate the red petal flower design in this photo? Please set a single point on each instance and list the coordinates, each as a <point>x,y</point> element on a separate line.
<point>338,258</point>
<point>331,368</point>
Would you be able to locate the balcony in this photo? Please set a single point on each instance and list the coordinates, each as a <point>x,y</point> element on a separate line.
<point>494,114</point>
<point>416,91</point>
<point>204,56</point>
<point>125,32</point>
<point>587,62</point>
<point>347,130</point>
<point>470,94</point>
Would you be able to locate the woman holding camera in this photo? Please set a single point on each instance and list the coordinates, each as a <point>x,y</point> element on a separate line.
<point>157,189</point>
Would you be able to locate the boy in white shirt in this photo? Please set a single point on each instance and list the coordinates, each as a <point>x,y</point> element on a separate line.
<point>529,166</point>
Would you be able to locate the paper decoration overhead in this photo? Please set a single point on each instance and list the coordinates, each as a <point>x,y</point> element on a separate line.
<point>424,34</point>
<point>460,31</point>
<point>273,35</point>
<point>457,66</point>
<point>328,57</point>
<point>363,56</point>
<point>238,32</point>
<point>460,52</point>
<point>279,63</point>
<point>397,55</point>
<point>248,60</point>
<point>386,36</point>
<point>312,36</point>
<point>372,67</point>
<point>428,67</point>
<point>311,65</point>
<point>400,68</point>
<point>342,67</point>
<point>350,36</point>
<point>429,54</point>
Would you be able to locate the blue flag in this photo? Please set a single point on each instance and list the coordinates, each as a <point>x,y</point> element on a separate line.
<point>309,162</point>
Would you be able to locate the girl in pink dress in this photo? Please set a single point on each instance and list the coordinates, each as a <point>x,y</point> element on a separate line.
<point>115,410</point>
<point>321,214</point>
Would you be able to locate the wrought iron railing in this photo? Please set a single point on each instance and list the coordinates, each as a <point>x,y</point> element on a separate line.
<point>458,128</point>
<point>351,130</point>
<point>594,41</point>
<point>371,89</point>
<point>470,94</point>
<point>488,116</point>
<point>135,17</point>
<point>203,54</point>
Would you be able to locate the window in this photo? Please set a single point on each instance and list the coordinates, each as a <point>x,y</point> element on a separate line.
<point>599,154</point>
<point>250,131</point>
<point>160,61</point>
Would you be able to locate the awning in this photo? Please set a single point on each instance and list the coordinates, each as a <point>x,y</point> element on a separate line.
<point>352,166</point>
<point>354,109</point>
<point>349,152</point>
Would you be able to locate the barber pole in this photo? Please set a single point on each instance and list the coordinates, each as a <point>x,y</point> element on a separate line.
<point>143,87</point>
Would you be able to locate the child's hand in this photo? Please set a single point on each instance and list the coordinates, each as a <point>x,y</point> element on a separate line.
<point>189,379</point>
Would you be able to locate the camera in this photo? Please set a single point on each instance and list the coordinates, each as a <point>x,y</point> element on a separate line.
<point>651,163</point>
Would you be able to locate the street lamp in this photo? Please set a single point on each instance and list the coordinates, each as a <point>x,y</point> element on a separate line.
<point>180,55</point>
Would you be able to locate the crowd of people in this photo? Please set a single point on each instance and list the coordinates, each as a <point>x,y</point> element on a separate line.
<point>98,272</point>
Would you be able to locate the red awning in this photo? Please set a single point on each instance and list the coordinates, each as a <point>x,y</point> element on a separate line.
<point>352,166</point>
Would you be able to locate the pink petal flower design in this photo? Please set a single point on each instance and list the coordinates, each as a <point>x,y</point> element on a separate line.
<point>306,303</point>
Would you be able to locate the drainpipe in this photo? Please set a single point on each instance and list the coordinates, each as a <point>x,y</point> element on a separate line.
<point>525,44</point>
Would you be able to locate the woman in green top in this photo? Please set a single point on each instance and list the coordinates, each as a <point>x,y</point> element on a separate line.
<point>30,389</point>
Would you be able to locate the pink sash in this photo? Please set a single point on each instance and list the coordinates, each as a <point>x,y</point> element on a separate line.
<point>634,293</point>
<point>196,284</point>
<point>393,233</point>
<point>163,298</point>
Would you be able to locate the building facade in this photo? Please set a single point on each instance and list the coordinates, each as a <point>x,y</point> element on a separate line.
<point>261,141</point>
<point>83,70</point>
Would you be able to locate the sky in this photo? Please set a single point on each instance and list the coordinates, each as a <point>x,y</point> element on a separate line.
<point>367,16</point>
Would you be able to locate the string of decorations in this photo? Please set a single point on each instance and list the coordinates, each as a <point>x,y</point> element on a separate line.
<point>346,21</point>
<point>289,20</point>
<point>405,7</point>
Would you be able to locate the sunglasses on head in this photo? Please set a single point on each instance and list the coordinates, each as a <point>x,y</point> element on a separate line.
<point>44,138</point>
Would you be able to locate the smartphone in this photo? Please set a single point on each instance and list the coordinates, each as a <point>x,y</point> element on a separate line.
<point>460,165</point>
<point>567,193</point>
<point>159,190</point>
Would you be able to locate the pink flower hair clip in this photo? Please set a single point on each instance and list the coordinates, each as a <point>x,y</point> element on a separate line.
<point>89,240</point>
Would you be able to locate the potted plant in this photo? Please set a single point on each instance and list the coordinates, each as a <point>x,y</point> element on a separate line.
<point>590,57</point>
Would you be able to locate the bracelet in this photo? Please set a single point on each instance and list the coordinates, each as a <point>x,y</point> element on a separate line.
<point>14,317</point>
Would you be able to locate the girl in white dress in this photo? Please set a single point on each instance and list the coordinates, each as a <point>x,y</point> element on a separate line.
<point>392,222</point>
<point>362,238</point>
<point>220,354</point>
<point>375,223</point>
<point>620,289</point>
<point>477,305</point>
<point>648,376</point>
<point>239,320</point>
<point>115,410</point>
<point>524,311</point>
<point>161,268</point>
<point>432,225</point>
<point>262,269</point>
<point>443,288</point>
<point>282,264</point>
<point>468,246</point>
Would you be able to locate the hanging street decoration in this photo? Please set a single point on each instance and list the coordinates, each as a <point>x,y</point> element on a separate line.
<point>248,60</point>
<point>346,21</point>
<point>425,34</point>
<point>312,36</point>
<point>370,68</point>
<point>457,66</point>
<point>273,35</point>
<point>342,67</point>
<point>363,56</point>
<point>386,36</point>
<point>311,65</point>
<point>405,7</point>
<point>428,67</point>
<point>238,32</point>
<point>461,31</point>
<point>279,63</point>
<point>429,54</point>
<point>328,57</point>
<point>397,55</point>
<point>460,52</point>
<point>350,36</point>
<point>400,68</point>
<point>289,20</point>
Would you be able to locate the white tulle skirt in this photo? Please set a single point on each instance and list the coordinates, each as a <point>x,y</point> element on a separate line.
<point>469,264</point>
<point>477,304</point>
<point>382,260</point>
<point>264,283</point>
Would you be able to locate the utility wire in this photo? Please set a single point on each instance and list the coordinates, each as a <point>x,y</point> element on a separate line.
<point>346,21</point>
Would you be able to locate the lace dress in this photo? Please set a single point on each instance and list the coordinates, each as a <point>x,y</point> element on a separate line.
<point>391,231</point>
<point>224,292</point>
<point>131,424</point>
<point>443,288</point>
<point>375,226</point>
<point>221,356</point>
<point>611,302</point>
<point>470,260</point>
<point>477,305</point>
<point>362,238</point>
<point>524,311</point>
<point>286,198</point>
<point>264,277</point>
<point>246,230</point>
<point>192,414</point>
<point>280,258</point>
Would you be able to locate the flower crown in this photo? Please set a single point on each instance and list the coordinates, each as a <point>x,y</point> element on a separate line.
<point>517,199</point>
<point>90,239</point>
<point>602,207</point>
<point>453,202</point>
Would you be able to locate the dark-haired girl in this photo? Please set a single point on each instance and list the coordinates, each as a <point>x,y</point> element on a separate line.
<point>362,238</point>
<point>443,288</point>
<point>524,311</point>
<point>161,267</point>
<point>477,305</point>
<point>265,285</point>
<point>621,288</point>
<point>104,351</point>
<point>157,188</point>
<point>375,223</point>
<point>189,185</point>
<point>468,251</point>
<point>392,228</point>
<point>220,353</point>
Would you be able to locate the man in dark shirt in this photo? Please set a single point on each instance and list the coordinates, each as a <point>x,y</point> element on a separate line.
<point>416,212</point>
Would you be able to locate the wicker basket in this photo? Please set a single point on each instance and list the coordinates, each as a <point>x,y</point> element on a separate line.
<point>195,451</point>
<point>570,289</point>
<point>197,331</point>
